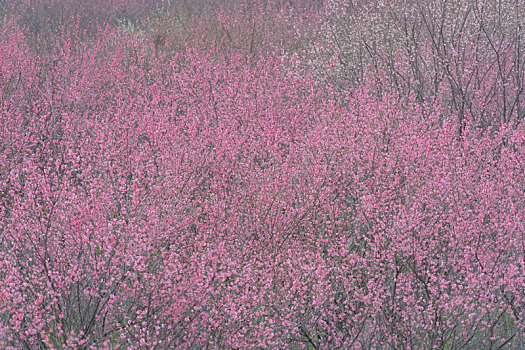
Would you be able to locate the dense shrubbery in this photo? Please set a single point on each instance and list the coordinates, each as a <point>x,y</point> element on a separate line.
<point>251,177</point>
<point>467,55</point>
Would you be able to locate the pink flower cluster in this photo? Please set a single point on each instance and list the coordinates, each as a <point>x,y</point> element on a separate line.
<point>210,198</point>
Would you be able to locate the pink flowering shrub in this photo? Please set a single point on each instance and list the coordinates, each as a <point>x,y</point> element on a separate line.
<point>157,198</point>
<point>465,55</point>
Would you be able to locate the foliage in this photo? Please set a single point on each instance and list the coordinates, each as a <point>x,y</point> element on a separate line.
<point>197,180</point>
